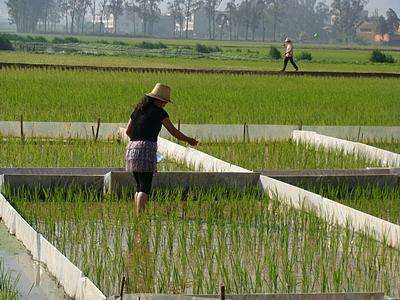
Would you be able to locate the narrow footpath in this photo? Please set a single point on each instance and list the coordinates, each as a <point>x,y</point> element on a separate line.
<point>5,65</point>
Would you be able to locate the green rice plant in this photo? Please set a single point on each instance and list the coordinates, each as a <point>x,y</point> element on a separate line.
<point>8,285</point>
<point>392,145</point>
<point>263,155</point>
<point>189,241</point>
<point>56,95</point>
<point>69,153</point>
<point>382,202</point>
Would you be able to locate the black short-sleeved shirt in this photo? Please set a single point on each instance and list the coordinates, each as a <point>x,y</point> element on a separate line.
<point>147,123</point>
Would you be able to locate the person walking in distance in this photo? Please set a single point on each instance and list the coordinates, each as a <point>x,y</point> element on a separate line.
<point>289,55</point>
<point>143,129</point>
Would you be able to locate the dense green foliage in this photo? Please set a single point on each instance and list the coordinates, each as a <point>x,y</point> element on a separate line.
<point>378,56</point>
<point>305,56</point>
<point>5,43</point>
<point>55,95</point>
<point>69,153</point>
<point>274,53</point>
<point>189,241</point>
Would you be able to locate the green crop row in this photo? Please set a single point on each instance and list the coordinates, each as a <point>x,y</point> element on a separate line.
<point>54,95</point>
<point>382,202</point>
<point>323,61</point>
<point>264,155</point>
<point>69,153</point>
<point>189,241</point>
<point>255,156</point>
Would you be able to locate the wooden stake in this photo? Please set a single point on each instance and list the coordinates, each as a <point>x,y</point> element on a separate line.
<point>301,125</point>
<point>122,288</point>
<point>222,289</point>
<point>244,133</point>
<point>22,128</point>
<point>97,129</point>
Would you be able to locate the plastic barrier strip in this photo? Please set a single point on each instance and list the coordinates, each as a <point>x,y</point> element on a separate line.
<point>387,158</point>
<point>75,284</point>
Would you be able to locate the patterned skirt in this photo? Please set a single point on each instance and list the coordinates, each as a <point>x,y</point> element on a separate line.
<point>141,156</point>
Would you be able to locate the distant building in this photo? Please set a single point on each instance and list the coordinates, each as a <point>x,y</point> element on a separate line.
<point>366,30</point>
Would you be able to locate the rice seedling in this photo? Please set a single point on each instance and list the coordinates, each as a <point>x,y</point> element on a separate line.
<point>8,285</point>
<point>69,153</point>
<point>391,145</point>
<point>264,155</point>
<point>255,156</point>
<point>56,95</point>
<point>188,241</point>
<point>382,202</point>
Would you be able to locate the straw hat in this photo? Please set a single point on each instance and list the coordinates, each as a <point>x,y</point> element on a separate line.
<point>287,40</point>
<point>161,92</point>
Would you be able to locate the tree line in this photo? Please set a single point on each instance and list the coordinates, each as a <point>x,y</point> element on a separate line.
<point>244,19</point>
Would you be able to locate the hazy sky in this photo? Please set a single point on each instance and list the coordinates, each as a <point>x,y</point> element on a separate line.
<point>382,5</point>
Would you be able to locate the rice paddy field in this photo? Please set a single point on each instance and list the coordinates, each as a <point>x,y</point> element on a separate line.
<point>265,155</point>
<point>55,95</point>
<point>254,156</point>
<point>324,60</point>
<point>69,153</point>
<point>191,241</point>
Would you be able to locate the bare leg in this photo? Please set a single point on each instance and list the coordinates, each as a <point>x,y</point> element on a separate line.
<point>141,201</point>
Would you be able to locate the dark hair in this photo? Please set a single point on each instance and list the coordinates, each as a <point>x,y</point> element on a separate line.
<point>143,103</point>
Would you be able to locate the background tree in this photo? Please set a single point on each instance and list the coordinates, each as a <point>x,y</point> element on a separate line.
<point>190,6</point>
<point>25,14</point>
<point>175,9</point>
<point>102,12</point>
<point>232,11</point>
<point>276,9</point>
<point>133,11</point>
<point>211,7</point>
<point>381,26</point>
<point>116,8</point>
<point>393,21</point>
<point>93,13</point>
<point>348,14</point>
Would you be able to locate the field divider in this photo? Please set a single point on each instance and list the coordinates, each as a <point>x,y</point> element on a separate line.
<point>204,132</point>
<point>329,210</point>
<point>70,277</point>
<point>332,211</point>
<point>195,158</point>
<point>385,157</point>
<point>7,65</point>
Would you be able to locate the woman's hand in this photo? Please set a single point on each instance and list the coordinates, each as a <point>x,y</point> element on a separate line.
<point>192,142</point>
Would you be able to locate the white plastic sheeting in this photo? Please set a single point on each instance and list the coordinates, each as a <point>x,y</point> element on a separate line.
<point>75,284</point>
<point>332,211</point>
<point>197,159</point>
<point>203,132</point>
<point>387,158</point>
<point>28,236</point>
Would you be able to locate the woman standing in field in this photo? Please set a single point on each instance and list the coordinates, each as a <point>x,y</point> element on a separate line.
<point>143,129</point>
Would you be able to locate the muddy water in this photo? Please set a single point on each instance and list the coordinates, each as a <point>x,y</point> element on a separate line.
<point>34,281</point>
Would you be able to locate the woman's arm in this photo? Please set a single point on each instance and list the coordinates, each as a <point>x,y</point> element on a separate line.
<point>177,134</point>
<point>129,128</point>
